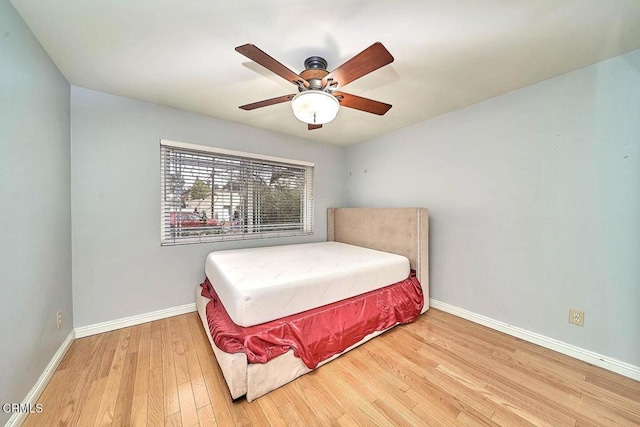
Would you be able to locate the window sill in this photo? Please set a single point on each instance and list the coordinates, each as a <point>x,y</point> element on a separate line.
<point>232,237</point>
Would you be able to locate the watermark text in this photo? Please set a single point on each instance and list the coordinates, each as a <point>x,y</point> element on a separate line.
<point>22,408</point>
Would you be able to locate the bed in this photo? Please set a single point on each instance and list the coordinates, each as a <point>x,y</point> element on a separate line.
<point>371,246</point>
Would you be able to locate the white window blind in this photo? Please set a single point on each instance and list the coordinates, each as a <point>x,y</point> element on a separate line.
<point>211,194</point>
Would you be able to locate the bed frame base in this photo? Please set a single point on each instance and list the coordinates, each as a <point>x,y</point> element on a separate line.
<point>403,231</point>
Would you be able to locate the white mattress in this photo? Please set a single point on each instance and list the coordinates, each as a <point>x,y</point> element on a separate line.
<point>258,285</point>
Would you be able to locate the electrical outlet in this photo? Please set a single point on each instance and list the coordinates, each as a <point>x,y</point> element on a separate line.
<point>59,319</point>
<point>576,317</point>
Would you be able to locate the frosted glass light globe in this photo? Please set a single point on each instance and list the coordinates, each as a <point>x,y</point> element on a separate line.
<point>315,107</point>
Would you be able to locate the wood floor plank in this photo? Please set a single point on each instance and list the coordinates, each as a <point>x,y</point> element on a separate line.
<point>318,398</point>
<point>90,373</point>
<point>630,390</point>
<point>474,334</point>
<point>188,411</point>
<point>141,378</point>
<point>433,400</point>
<point>110,349</point>
<point>384,376</point>
<point>527,390</point>
<point>440,370</point>
<point>90,409</point>
<point>617,413</point>
<point>453,387</point>
<point>422,389</point>
<point>110,395</point>
<point>49,400</point>
<point>134,339</point>
<point>358,405</point>
<point>506,409</point>
<point>343,373</point>
<point>155,345</point>
<point>206,417</point>
<point>449,359</point>
<point>105,362</point>
<point>271,411</point>
<point>372,379</point>
<point>180,360</point>
<point>546,413</point>
<point>68,393</point>
<point>543,363</point>
<point>304,409</point>
<point>507,419</point>
<point>144,346</point>
<point>428,411</point>
<point>347,421</point>
<point>279,397</point>
<point>76,352</point>
<point>173,420</point>
<point>472,420</point>
<point>488,375</point>
<point>65,400</point>
<point>198,385</point>
<point>124,401</point>
<point>290,415</point>
<point>616,399</point>
<point>397,413</point>
<point>255,413</point>
<point>155,398</point>
<point>359,414</point>
<point>170,385</point>
<point>139,410</point>
<point>586,368</point>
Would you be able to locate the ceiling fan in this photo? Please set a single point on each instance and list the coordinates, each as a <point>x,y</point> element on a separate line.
<point>320,95</point>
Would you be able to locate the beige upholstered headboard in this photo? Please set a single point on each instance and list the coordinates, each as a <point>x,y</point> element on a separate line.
<point>402,231</point>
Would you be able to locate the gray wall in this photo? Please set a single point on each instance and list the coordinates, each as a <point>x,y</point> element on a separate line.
<point>119,267</point>
<point>35,218</point>
<point>534,199</point>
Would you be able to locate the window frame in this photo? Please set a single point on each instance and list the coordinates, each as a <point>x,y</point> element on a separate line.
<point>307,210</point>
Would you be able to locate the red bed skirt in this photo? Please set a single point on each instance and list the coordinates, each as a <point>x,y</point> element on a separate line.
<point>319,333</point>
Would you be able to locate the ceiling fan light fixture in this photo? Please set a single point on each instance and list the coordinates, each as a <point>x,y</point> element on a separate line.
<point>315,107</point>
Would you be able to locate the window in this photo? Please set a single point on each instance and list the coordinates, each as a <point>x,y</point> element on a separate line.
<point>212,194</point>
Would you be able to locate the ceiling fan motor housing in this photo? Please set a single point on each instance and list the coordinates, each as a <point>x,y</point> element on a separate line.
<point>315,71</point>
<point>315,63</point>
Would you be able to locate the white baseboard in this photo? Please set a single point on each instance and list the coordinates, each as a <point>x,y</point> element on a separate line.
<point>112,325</point>
<point>32,397</point>
<point>606,362</point>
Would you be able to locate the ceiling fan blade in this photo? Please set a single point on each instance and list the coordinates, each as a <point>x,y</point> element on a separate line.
<point>312,127</point>
<point>256,55</point>
<point>370,59</point>
<point>362,104</point>
<point>267,102</point>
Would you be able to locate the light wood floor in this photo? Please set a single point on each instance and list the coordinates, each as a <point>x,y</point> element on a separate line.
<point>440,370</point>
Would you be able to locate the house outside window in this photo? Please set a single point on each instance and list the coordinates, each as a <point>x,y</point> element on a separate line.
<point>212,194</point>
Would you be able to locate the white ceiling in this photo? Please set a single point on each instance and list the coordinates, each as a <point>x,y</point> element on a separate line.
<point>448,54</point>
